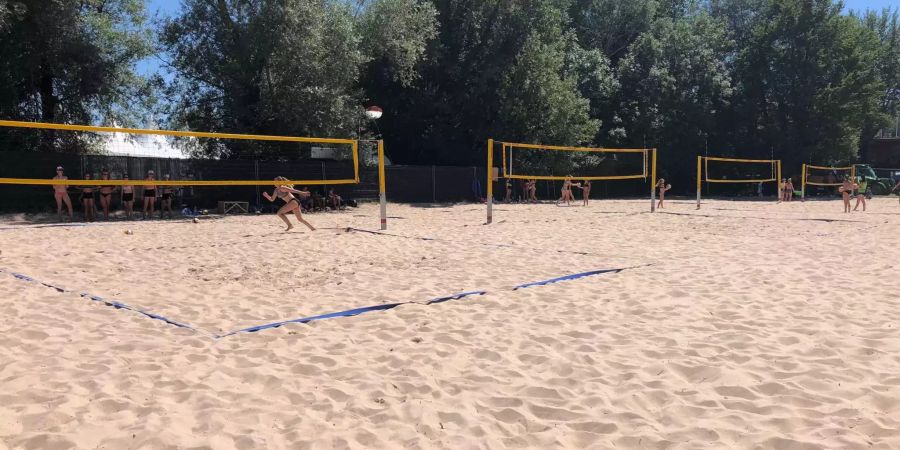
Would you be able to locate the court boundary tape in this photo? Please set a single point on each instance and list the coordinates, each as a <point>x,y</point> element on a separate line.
<point>108,302</point>
<point>351,313</point>
<point>346,313</point>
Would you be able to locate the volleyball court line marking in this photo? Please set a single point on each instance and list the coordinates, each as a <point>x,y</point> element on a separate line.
<point>350,313</point>
<point>107,302</point>
<point>346,313</point>
<point>386,306</point>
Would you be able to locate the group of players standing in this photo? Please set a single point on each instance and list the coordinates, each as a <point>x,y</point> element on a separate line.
<point>127,196</point>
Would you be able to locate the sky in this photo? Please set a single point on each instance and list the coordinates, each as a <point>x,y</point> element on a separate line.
<point>870,4</point>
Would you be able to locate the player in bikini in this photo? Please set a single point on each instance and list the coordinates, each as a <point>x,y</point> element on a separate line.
<point>105,194</point>
<point>87,199</point>
<point>149,195</point>
<point>846,189</point>
<point>127,198</point>
<point>168,193</point>
<point>291,204</point>
<point>61,194</point>
<point>663,188</point>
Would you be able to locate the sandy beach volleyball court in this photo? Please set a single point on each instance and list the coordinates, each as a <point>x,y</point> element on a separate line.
<point>741,325</point>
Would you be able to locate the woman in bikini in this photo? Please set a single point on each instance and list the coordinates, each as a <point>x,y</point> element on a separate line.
<point>149,194</point>
<point>862,186</point>
<point>846,189</point>
<point>532,190</point>
<point>508,198</point>
<point>87,199</point>
<point>61,194</point>
<point>105,194</point>
<point>168,193</point>
<point>285,192</point>
<point>789,190</point>
<point>127,197</point>
<point>663,188</point>
<point>586,192</point>
<point>567,191</point>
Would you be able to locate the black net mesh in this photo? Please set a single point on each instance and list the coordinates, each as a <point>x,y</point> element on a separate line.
<point>734,171</point>
<point>826,176</point>
<point>526,161</point>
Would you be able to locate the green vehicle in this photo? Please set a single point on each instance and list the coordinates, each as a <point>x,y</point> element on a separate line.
<point>876,185</point>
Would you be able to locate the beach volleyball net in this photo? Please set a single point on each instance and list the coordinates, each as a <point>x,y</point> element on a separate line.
<point>744,176</point>
<point>203,168</point>
<point>556,163</point>
<point>823,178</point>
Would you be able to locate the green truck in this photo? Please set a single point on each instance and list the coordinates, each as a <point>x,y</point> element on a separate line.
<point>876,185</point>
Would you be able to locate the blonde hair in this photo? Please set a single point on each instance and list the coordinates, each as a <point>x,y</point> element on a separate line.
<point>291,186</point>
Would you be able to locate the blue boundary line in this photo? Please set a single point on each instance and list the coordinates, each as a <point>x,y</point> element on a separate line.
<point>566,278</point>
<point>107,302</point>
<point>347,313</point>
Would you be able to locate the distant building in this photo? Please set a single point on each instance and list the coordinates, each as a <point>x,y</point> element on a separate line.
<point>884,149</point>
<point>152,145</point>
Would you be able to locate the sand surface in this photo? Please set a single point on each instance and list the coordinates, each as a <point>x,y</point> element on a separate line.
<point>742,325</point>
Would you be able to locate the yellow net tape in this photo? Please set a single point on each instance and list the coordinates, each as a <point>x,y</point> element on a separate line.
<point>354,145</point>
<point>707,179</point>
<point>96,182</point>
<point>89,128</point>
<point>507,149</point>
<point>712,158</point>
<point>828,168</point>
<point>558,178</point>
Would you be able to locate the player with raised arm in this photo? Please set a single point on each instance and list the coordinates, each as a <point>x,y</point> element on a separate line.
<point>663,188</point>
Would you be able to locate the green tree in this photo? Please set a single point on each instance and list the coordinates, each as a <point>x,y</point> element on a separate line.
<point>289,67</point>
<point>73,61</point>
<point>675,85</point>
<point>807,81</point>
<point>495,69</point>
<point>885,25</point>
<point>611,26</point>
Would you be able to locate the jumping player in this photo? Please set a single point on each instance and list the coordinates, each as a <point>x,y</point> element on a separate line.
<point>285,192</point>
